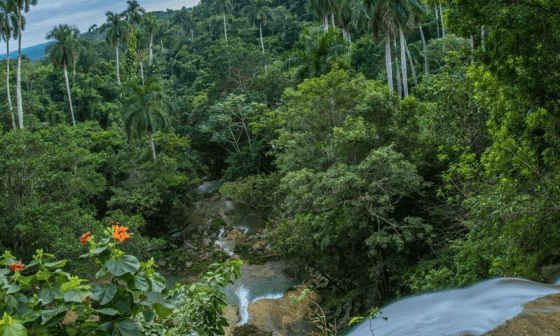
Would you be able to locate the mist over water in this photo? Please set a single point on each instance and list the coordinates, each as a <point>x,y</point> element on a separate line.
<point>477,309</point>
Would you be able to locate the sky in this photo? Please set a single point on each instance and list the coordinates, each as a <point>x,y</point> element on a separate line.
<point>81,14</point>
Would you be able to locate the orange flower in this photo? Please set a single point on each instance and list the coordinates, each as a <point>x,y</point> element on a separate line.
<point>120,233</point>
<point>87,298</point>
<point>85,238</point>
<point>17,267</point>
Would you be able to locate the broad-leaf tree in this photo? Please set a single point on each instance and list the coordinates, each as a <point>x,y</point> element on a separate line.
<point>145,110</point>
<point>63,52</point>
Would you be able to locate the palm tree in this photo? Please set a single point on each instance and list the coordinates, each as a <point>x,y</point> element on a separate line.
<point>258,10</point>
<point>134,12</point>
<point>387,16</point>
<point>6,33</point>
<point>63,52</point>
<point>319,47</point>
<point>319,8</point>
<point>145,110</point>
<point>223,7</point>
<point>116,29</point>
<point>19,7</point>
<point>151,25</point>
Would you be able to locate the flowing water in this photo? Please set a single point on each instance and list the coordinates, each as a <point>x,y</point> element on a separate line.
<point>475,309</point>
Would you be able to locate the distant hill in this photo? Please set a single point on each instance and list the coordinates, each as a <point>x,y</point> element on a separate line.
<point>37,52</point>
<point>34,52</point>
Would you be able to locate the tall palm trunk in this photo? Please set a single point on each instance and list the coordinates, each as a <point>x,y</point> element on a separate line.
<point>425,50</point>
<point>8,83</point>
<point>483,38</point>
<point>69,96</point>
<point>225,28</point>
<point>442,23</point>
<point>151,48</point>
<point>412,67</point>
<point>332,20</point>
<point>117,53</point>
<point>472,48</point>
<point>152,145</point>
<point>437,21</point>
<point>398,70</point>
<point>388,65</point>
<point>142,70</point>
<point>326,20</point>
<point>403,63</point>
<point>18,74</point>
<point>262,44</point>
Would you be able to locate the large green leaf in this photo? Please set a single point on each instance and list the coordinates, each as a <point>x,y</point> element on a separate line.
<point>55,264</point>
<point>104,294</point>
<point>48,294</point>
<point>119,267</point>
<point>157,286</point>
<point>48,315</point>
<point>107,311</point>
<point>126,328</point>
<point>76,295</point>
<point>139,283</point>
<point>15,329</point>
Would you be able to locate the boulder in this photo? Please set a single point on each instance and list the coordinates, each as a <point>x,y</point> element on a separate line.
<point>250,330</point>
<point>188,264</point>
<point>539,317</point>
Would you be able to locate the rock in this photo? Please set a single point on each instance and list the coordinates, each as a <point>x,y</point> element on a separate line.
<point>344,313</point>
<point>162,263</point>
<point>250,330</point>
<point>205,242</point>
<point>280,317</point>
<point>173,246</point>
<point>188,264</point>
<point>207,187</point>
<point>550,273</point>
<point>539,317</point>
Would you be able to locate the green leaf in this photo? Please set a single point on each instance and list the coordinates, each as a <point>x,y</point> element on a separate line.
<point>139,283</point>
<point>76,295</point>
<point>48,315</point>
<point>148,314</point>
<point>126,328</point>
<point>12,289</point>
<point>48,294</point>
<point>104,294</point>
<point>107,311</point>
<point>101,273</point>
<point>98,250</point>
<point>119,267</point>
<point>56,264</point>
<point>15,329</point>
<point>163,311</point>
<point>156,285</point>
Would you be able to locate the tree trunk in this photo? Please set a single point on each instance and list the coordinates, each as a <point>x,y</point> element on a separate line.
<point>192,34</point>
<point>472,48</point>
<point>118,72</point>
<point>151,48</point>
<point>262,44</point>
<point>388,65</point>
<point>425,48</point>
<point>142,71</point>
<point>398,71</point>
<point>442,22</point>
<point>326,20</point>
<point>18,74</point>
<point>225,29</point>
<point>483,38</point>
<point>332,20</point>
<point>412,67</point>
<point>8,83</point>
<point>152,145</point>
<point>437,21</point>
<point>69,96</point>
<point>403,63</point>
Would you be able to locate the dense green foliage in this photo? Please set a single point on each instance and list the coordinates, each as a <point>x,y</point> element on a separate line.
<point>424,157</point>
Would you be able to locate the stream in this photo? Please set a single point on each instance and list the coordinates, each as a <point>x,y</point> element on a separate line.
<point>472,310</point>
<point>475,309</point>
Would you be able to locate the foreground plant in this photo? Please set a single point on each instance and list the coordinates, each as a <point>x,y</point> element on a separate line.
<point>40,298</point>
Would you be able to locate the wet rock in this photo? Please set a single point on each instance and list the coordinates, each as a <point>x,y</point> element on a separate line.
<point>550,273</point>
<point>259,245</point>
<point>188,264</point>
<point>205,242</point>
<point>250,330</point>
<point>539,317</point>
<point>207,187</point>
<point>280,317</point>
<point>344,314</point>
<point>237,237</point>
